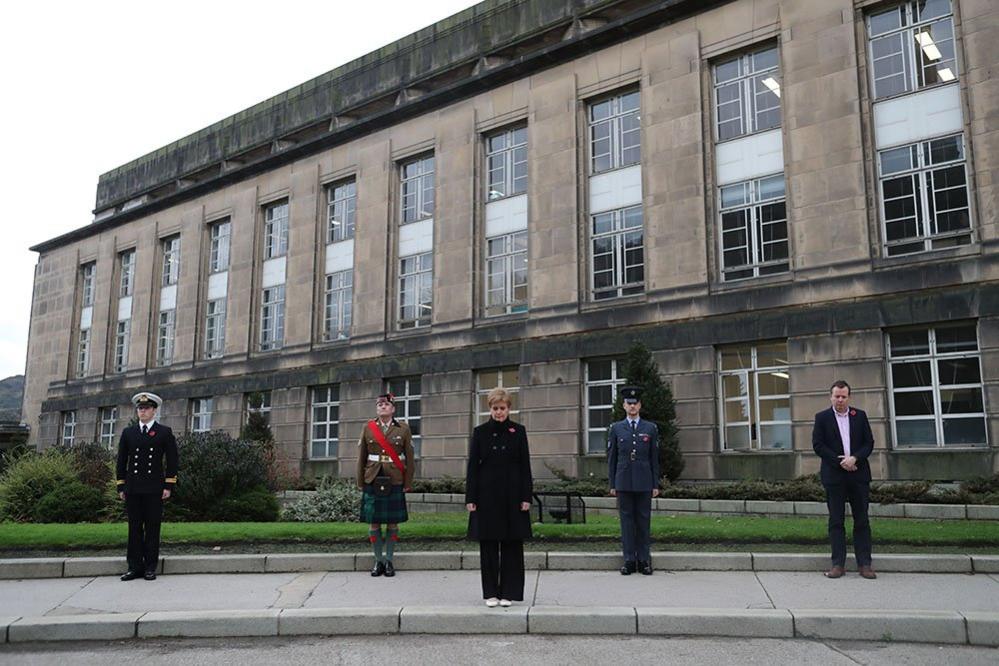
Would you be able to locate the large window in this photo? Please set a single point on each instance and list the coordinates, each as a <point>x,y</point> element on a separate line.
<point>407,393</point>
<point>487,380</point>
<point>603,379</point>
<point>109,418</point>
<point>747,93</point>
<point>936,386</point>
<point>754,228</point>
<point>276,230</point>
<point>171,260</point>
<point>215,328</point>
<point>87,272</point>
<point>166,331</point>
<point>83,353</point>
<point>201,414</point>
<point>218,258</point>
<point>325,421</point>
<point>338,305</point>
<point>506,163</point>
<point>272,318</point>
<point>416,290</point>
<point>257,402</point>
<point>121,342</point>
<point>755,396</point>
<point>341,209</point>
<point>417,189</point>
<point>68,427</point>
<point>618,257</point>
<point>506,273</point>
<point>912,46</point>
<point>126,285</point>
<point>615,132</point>
<point>924,194</point>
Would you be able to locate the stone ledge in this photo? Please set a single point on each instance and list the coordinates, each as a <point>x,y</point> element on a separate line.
<point>581,620</point>
<point>923,563</point>
<point>294,563</point>
<point>686,561</point>
<point>338,621</point>
<point>76,567</point>
<point>982,512</point>
<point>463,620</point>
<point>211,624</point>
<point>180,564</point>
<point>102,626</point>
<point>769,507</point>
<point>761,623</point>
<point>936,511</point>
<point>31,567</point>
<point>983,628</point>
<point>558,561</point>
<point>723,506</point>
<point>5,623</point>
<point>796,562</point>
<point>985,563</point>
<point>534,560</point>
<point>871,625</point>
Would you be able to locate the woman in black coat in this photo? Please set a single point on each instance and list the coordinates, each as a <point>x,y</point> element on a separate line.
<point>498,498</point>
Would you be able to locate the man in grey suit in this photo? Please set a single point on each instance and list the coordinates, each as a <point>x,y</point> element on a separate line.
<point>633,472</point>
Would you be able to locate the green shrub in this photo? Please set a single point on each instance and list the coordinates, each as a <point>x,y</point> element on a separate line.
<point>9,455</point>
<point>897,493</point>
<point>445,484</point>
<point>93,462</point>
<point>213,468</point>
<point>981,485</point>
<point>334,501</point>
<point>257,505</point>
<point>29,478</point>
<point>70,502</point>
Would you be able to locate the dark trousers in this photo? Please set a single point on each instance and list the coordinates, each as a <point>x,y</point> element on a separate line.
<point>635,512</point>
<point>145,513</point>
<point>502,564</point>
<point>857,494</point>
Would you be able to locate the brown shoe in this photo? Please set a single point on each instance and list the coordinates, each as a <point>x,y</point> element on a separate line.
<point>835,572</point>
<point>867,572</point>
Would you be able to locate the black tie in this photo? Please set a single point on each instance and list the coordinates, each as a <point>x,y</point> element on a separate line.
<point>634,425</point>
<point>143,429</point>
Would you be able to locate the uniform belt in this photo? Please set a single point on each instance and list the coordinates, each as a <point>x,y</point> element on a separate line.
<point>374,457</point>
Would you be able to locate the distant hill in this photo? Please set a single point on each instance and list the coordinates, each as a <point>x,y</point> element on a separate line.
<point>11,393</point>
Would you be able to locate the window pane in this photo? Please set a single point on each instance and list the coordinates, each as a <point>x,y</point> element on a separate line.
<point>771,355</point>
<point>964,431</point>
<point>775,436</point>
<point>736,358</point>
<point>734,386</point>
<point>904,375</point>
<point>959,371</point>
<point>916,433</point>
<point>775,410</point>
<point>773,383</point>
<point>736,411</point>
<point>737,437</point>
<point>961,401</point>
<point>956,339</point>
<point>916,403</point>
<point>909,343</point>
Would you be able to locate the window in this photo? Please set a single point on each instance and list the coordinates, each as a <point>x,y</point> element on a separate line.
<point>407,405</point>
<point>338,305</point>
<point>603,379</point>
<point>755,397</point>
<point>165,336</point>
<point>127,280</point>
<point>201,414</point>
<point>215,328</point>
<point>121,340</point>
<point>912,46</point>
<point>416,290</point>
<point>506,274</point>
<point>615,132</point>
<point>272,318</point>
<point>325,421</point>
<point>276,230</point>
<point>87,272</point>
<point>218,258</point>
<point>924,194</point>
<point>754,228</point>
<point>171,261</point>
<point>341,209</point>
<point>83,353</point>
<point>936,387</point>
<point>68,428</point>
<point>417,189</point>
<point>257,402</point>
<point>109,417</point>
<point>506,163</point>
<point>618,258</point>
<point>747,93</point>
<point>487,380</point>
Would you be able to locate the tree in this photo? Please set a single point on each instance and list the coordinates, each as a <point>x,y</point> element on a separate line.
<point>256,427</point>
<point>658,406</point>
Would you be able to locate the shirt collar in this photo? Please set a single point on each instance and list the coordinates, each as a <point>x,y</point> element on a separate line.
<point>844,415</point>
<point>149,425</point>
<point>634,420</point>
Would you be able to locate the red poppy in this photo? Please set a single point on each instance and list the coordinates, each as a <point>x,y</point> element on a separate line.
<point>152,432</point>
<point>513,430</point>
<point>853,412</point>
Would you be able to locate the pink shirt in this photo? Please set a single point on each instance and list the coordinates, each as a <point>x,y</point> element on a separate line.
<point>843,421</point>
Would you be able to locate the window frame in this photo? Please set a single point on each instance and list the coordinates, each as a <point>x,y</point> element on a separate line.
<point>107,419</point>
<point>508,157</point>
<point>331,443</point>
<point>755,422</point>
<point>215,313</point>
<point>272,337</point>
<point>88,273</point>
<point>126,277</point>
<point>220,246</point>
<point>341,196</point>
<point>753,205</point>
<point>616,120</point>
<point>619,234</point>
<point>508,259</point>
<point>67,427</point>
<point>166,334</point>
<point>83,352</point>
<point>276,229</point>
<point>170,248</point>
<point>202,409</point>
<point>338,305</point>
<point>404,401</point>
<point>122,341</point>
<point>421,278</point>
<point>616,381</point>
<point>482,411</point>
<point>418,187</point>
<point>748,75</point>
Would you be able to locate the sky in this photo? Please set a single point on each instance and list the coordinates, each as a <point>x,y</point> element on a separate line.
<point>89,86</point>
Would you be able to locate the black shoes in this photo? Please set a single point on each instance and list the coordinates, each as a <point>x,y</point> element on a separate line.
<point>629,568</point>
<point>378,569</point>
<point>149,575</point>
<point>131,575</point>
<point>645,568</point>
<point>389,569</point>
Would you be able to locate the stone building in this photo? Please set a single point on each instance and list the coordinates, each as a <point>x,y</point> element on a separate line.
<point>769,194</point>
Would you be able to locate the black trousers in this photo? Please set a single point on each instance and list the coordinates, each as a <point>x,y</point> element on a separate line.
<point>857,494</point>
<point>502,565</point>
<point>145,513</point>
<point>635,512</point>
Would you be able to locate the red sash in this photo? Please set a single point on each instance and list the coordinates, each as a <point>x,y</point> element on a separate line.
<point>376,432</point>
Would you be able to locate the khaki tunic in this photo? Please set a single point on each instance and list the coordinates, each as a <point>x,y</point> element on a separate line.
<point>401,439</point>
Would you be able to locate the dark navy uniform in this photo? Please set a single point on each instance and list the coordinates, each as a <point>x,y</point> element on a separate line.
<point>633,472</point>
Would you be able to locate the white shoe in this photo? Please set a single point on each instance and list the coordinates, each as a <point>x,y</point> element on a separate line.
<point>505,603</point>
<point>493,602</point>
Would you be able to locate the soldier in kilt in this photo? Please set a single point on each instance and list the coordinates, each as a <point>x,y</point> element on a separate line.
<point>385,466</point>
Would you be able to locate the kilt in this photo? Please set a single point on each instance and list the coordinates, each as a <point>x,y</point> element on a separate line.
<point>389,509</point>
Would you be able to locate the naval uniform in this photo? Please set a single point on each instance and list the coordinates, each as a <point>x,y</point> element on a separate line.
<point>633,471</point>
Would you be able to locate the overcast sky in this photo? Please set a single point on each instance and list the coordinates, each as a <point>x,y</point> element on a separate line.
<point>89,86</point>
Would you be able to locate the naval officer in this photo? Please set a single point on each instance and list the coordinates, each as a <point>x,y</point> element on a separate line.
<point>633,472</point>
<point>146,473</point>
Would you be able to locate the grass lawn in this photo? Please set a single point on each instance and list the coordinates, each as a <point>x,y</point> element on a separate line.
<point>450,527</point>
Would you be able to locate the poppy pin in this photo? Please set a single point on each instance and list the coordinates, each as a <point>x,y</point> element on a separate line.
<point>152,432</point>
<point>513,430</point>
<point>645,438</point>
<point>853,412</point>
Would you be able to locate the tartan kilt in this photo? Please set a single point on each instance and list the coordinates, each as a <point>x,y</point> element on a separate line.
<point>389,509</point>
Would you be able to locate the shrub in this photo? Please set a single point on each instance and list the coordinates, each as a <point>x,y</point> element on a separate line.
<point>334,501</point>
<point>445,484</point>
<point>29,478</point>
<point>894,493</point>
<point>70,502</point>
<point>9,455</point>
<point>214,467</point>
<point>93,462</point>
<point>981,485</point>
<point>257,505</point>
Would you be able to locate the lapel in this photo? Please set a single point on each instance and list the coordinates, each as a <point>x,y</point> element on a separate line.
<point>835,428</point>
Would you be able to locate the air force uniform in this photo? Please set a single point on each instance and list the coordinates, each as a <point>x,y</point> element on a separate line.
<point>633,472</point>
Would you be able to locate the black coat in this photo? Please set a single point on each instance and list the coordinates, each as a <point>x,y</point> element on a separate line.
<point>828,445</point>
<point>147,464</point>
<point>498,480</point>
